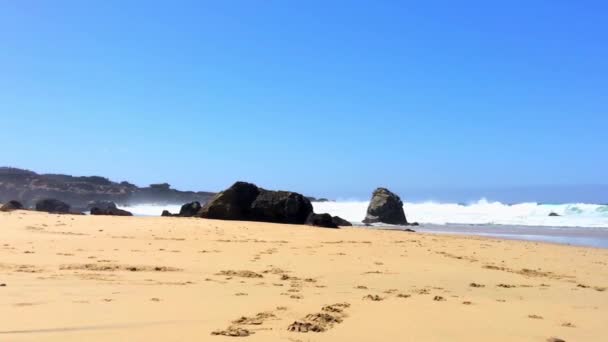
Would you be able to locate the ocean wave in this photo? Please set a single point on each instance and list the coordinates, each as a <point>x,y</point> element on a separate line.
<point>484,212</point>
<point>480,212</point>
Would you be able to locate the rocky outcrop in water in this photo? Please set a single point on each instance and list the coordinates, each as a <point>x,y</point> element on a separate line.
<point>51,205</point>
<point>11,205</point>
<point>385,207</point>
<point>29,187</point>
<point>245,201</point>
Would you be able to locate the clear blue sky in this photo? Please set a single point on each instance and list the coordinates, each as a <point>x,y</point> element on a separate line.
<point>329,98</point>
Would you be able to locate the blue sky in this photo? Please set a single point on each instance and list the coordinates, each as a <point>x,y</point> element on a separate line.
<point>327,98</point>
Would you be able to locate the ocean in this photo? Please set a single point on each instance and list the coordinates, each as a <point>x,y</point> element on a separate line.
<point>581,224</point>
<point>480,212</point>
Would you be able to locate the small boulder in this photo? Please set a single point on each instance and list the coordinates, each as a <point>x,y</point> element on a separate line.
<point>104,205</point>
<point>554,214</point>
<point>166,213</point>
<point>190,209</point>
<point>110,212</point>
<point>321,220</point>
<point>50,205</point>
<point>385,207</point>
<point>11,205</point>
<point>338,221</point>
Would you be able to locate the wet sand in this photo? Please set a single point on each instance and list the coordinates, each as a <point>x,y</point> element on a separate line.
<point>83,278</point>
<point>575,236</point>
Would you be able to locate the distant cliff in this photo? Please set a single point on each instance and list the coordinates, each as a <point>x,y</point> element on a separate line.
<point>28,187</point>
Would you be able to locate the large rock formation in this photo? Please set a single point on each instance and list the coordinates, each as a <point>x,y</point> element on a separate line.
<point>281,207</point>
<point>29,187</point>
<point>51,205</point>
<point>245,201</point>
<point>11,205</point>
<point>385,207</point>
<point>233,203</point>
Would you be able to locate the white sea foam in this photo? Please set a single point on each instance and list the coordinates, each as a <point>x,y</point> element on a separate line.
<point>480,212</point>
<point>484,212</point>
<point>152,209</point>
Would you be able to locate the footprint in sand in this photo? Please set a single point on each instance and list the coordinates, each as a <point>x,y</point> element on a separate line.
<point>242,273</point>
<point>233,331</point>
<point>321,321</point>
<point>374,298</point>
<point>236,330</point>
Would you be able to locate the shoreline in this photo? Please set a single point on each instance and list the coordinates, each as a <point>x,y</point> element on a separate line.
<point>567,236</point>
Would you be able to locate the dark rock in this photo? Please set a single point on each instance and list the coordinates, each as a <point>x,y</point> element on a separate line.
<point>110,212</point>
<point>321,220</point>
<point>190,209</point>
<point>166,213</point>
<point>385,207</point>
<point>11,205</point>
<point>554,214</point>
<point>338,221</point>
<point>280,207</point>
<point>103,205</point>
<point>50,205</point>
<point>409,230</point>
<point>245,201</point>
<point>233,203</point>
<point>414,224</point>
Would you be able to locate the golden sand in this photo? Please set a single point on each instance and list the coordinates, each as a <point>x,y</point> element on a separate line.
<point>84,278</point>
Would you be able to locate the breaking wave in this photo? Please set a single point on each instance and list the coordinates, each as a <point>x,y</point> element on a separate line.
<point>484,212</point>
<point>480,212</point>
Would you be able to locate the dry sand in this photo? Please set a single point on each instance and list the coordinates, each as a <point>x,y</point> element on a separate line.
<point>83,278</point>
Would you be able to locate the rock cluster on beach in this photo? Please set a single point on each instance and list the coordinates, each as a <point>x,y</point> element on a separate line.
<point>247,202</point>
<point>385,207</point>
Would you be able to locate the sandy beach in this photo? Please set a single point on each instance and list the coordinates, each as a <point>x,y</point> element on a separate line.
<point>83,278</point>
